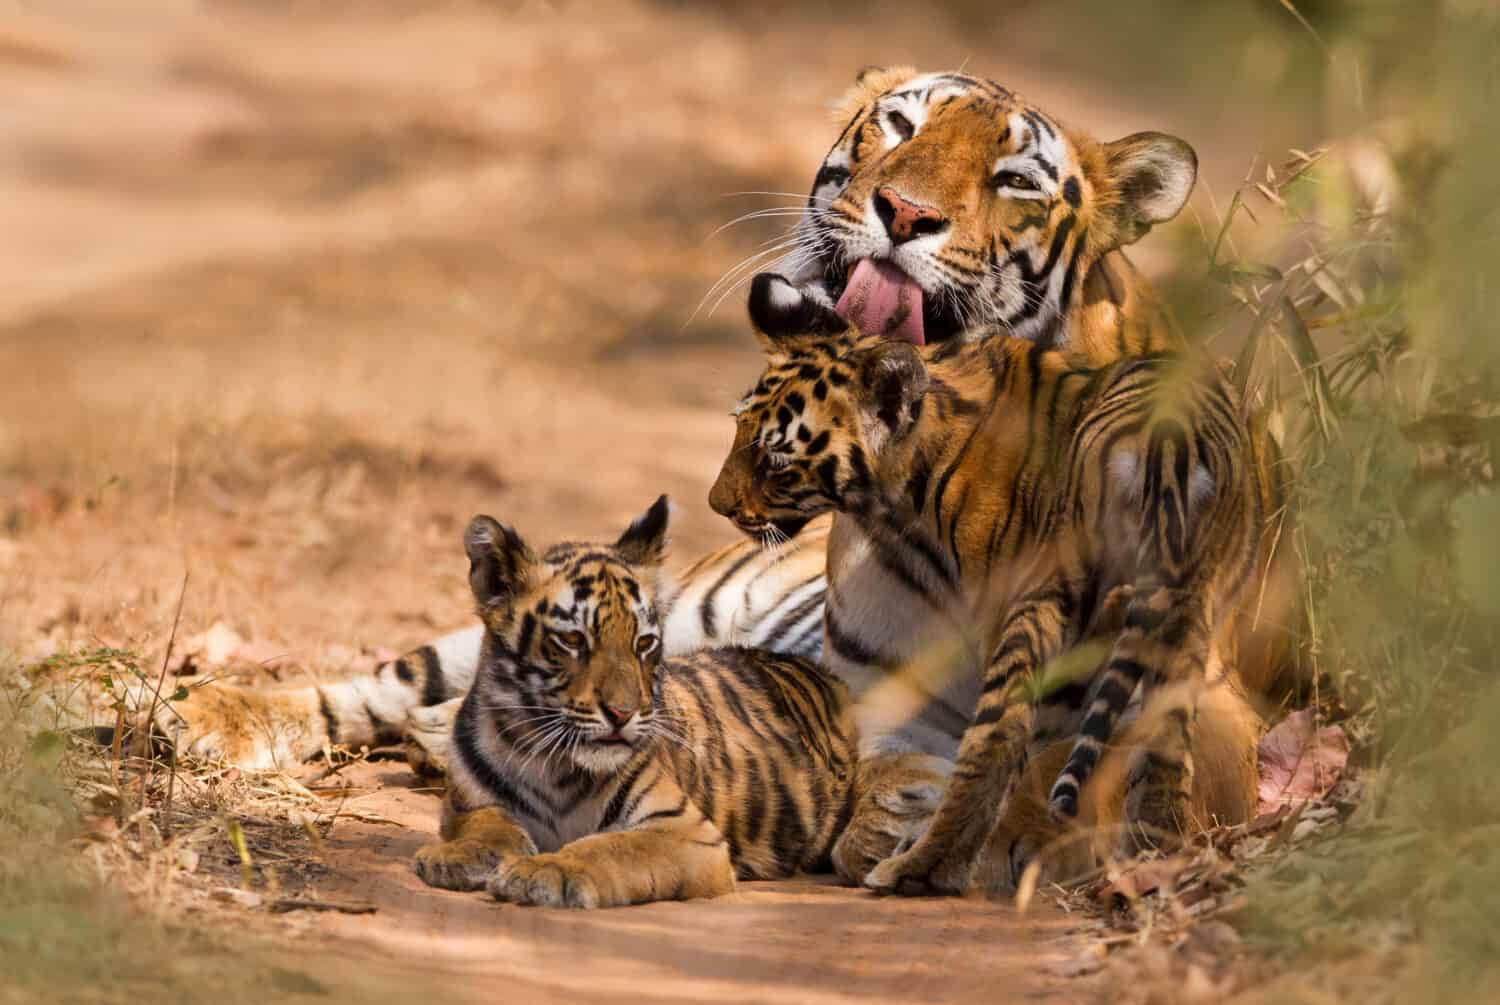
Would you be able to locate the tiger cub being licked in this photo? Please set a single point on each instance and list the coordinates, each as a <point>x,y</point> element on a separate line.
<point>1120,501</point>
<point>587,771</point>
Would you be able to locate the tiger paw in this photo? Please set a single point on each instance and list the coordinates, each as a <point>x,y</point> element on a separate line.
<point>1158,805</point>
<point>464,864</point>
<point>549,881</point>
<point>882,827</point>
<point>1157,822</point>
<point>923,871</point>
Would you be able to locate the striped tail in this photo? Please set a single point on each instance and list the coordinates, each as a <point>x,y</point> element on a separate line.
<point>371,709</point>
<point>1107,698</point>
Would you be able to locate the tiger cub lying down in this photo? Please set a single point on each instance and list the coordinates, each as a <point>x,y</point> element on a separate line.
<point>587,771</point>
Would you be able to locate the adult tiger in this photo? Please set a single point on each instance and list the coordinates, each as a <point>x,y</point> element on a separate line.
<point>1019,505</point>
<point>948,207</point>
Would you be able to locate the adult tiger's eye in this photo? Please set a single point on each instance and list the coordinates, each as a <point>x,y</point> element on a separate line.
<point>645,644</point>
<point>1014,180</point>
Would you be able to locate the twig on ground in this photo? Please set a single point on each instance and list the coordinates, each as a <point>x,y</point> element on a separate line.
<point>285,904</point>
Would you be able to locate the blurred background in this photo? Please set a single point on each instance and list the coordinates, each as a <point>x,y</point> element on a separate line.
<point>292,289</point>
<point>289,289</point>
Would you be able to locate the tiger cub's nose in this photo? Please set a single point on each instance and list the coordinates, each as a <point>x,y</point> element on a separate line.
<point>904,219</point>
<point>616,715</point>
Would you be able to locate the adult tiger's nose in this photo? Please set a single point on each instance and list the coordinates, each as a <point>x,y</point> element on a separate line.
<point>904,219</point>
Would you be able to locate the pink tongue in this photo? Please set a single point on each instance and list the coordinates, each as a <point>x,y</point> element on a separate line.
<point>883,300</point>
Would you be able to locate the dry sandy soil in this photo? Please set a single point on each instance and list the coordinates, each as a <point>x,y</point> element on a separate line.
<point>291,290</point>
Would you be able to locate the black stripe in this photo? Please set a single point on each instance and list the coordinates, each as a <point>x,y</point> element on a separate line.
<point>675,811</point>
<point>706,606</point>
<point>330,724</point>
<point>851,648</point>
<point>466,747</point>
<point>617,802</point>
<point>434,688</point>
<point>795,617</point>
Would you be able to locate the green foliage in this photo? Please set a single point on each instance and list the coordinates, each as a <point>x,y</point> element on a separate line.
<point>1359,301</point>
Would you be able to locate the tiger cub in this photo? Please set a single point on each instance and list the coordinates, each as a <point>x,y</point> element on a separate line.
<point>1017,497</point>
<point>587,771</point>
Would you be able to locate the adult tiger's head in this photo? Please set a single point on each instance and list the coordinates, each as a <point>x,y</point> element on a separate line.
<point>809,434</point>
<point>572,650</point>
<point>951,206</point>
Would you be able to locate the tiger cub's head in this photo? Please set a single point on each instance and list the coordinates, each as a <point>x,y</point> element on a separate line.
<point>572,654</point>
<point>810,432</point>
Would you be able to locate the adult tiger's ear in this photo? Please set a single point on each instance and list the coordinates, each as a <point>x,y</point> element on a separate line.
<point>1151,176</point>
<point>789,320</point>
<point>499,563</point>
<point>894,380</point>
<point>869,84</point>
<point>645,540</point>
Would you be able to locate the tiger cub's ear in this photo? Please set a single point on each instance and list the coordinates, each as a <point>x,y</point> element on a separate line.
<point>893,379</point>
<point>789,320</point>
<point>644,542</point>
<point>1149,179</point>
<point>499,562</point>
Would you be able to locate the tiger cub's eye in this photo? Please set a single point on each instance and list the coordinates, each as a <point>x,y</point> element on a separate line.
<point>573,642</point>
<point>645,644</point>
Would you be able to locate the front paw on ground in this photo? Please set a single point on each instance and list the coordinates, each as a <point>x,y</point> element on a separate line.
<point>545,881</point>
<point>456,865</point>
<point>918,873</point>
<point>865,844</point>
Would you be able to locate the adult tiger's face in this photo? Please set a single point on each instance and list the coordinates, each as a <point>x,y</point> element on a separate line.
<point>574,638</point>
<point>809,434</point>
<point>950,205</point>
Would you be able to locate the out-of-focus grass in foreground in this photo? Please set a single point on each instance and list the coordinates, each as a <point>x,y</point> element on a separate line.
<point>1355,285</point>
<point>82,927</point>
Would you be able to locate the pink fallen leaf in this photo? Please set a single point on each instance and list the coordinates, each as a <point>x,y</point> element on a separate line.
<point>1146,877</point>
<point>1299,762</point>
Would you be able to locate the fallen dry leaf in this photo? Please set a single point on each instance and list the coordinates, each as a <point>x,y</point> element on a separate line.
<point>1145,877</point>
<point>1299,762</point>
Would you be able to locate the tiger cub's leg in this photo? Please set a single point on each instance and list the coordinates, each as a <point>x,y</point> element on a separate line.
<point>1224,793</point>
<point>665,850</point>
<point>993,751</point>
<point>1159,785</point>
<point>475,843</point>
<point>895,797</point>
<point>1166,637</point>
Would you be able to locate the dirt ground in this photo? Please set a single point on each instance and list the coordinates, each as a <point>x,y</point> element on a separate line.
<point>809,939</point>
<point>289,291</point>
